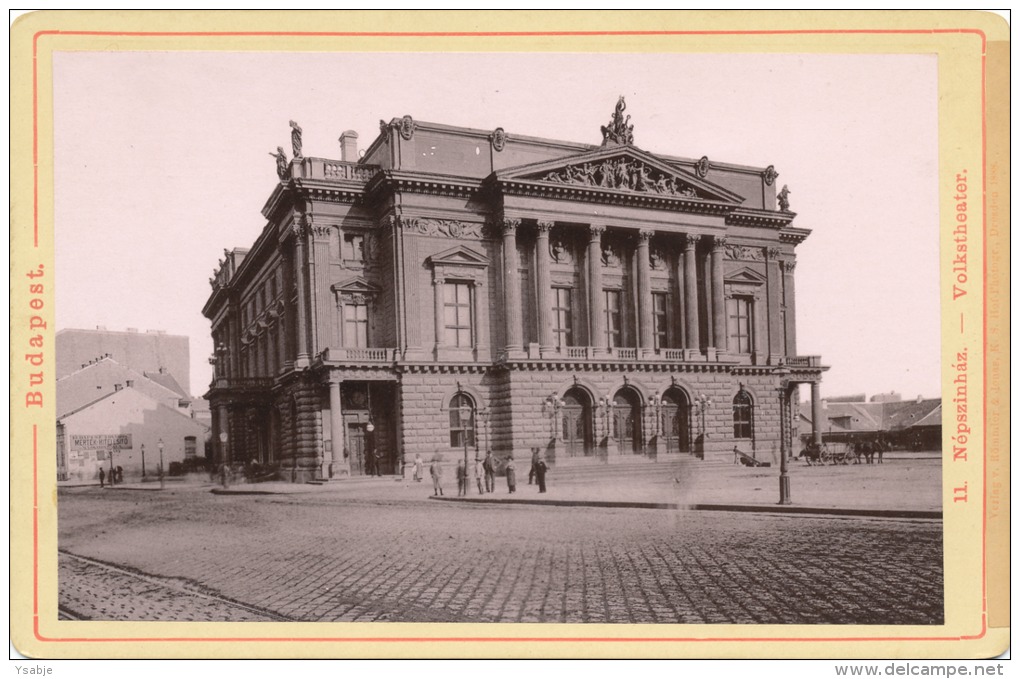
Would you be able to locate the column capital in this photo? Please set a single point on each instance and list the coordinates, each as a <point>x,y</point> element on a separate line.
<point>773,253</point>
<point>691,241</point>
<point>718,242</point>
<point>645,234</point>
<point>508,225</point>
<point>595,231</point>
<point>545,226</point>
<point>788,265</point>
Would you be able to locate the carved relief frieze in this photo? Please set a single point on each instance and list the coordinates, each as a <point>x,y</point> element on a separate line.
<point>622,173</point>
<point>448,228</point>
<point>745,253</point>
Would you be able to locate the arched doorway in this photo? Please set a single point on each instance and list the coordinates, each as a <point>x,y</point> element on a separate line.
<point>627,421</point>
<point>577,430</point>
<point>676,421</point>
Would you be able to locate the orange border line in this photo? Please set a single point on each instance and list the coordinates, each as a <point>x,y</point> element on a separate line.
<point>416,34</point>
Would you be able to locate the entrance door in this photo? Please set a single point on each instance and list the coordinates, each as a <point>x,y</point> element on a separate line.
<point>676,421</point>
<point>577,423</point>
<point>627,421</point>
<point>356,446</point>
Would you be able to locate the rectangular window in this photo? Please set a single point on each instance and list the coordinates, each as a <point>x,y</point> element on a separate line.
<point>738,324</point>
<point>355,325</point>
<point>563,329</point>
<point>457,314</point>
<point>352,249</point>
<point>614,331</point>
<point>660,312</point>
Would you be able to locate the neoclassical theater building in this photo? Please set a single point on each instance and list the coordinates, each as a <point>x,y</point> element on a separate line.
<point>457,290</point>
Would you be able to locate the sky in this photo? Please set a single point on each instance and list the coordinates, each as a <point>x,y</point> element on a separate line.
<point>162,161</point>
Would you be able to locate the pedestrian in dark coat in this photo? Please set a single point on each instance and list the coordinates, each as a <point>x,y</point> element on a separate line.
<point>462,478</point>
<point>490,473</point>
<point>511,474</point>
<point>102,478</point>
<point>540,470</point>
<point>534,463</point>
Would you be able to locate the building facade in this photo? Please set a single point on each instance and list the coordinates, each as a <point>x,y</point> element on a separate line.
<point>153,352</point>
<point>457,290</point>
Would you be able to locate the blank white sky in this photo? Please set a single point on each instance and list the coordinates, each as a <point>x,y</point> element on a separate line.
<point>161,163</point>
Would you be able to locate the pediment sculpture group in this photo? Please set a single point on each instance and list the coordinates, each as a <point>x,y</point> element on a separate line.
<point>621,173</point>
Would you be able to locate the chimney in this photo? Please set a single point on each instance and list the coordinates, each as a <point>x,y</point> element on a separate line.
<point>117,387</point>
<point>919,398</point>
<point>349,146</point>
<point>130,383</point>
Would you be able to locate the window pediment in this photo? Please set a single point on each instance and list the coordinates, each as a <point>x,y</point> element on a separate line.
<point>460,256</point>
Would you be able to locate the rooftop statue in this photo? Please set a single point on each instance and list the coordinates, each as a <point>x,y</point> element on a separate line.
<point>618,131</point>
<point>282,169</point>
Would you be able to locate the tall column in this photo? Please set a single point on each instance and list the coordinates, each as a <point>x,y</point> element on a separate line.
<point>596,302</point>
<point>438,308</point>
<point>302,310</point>
<point>816,413</point>
<point>789,308</point>
<point>544,285</point>
<point>718,298</point>
<point>693,324</point>
<point>337,463</point>
<point>646,330</point>
<point>512,287</point>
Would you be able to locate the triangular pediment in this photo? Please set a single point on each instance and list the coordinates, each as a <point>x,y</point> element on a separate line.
<point>621,168</point>
<point>356,285</point>
<point>459,256</point>
<point>745,275</point>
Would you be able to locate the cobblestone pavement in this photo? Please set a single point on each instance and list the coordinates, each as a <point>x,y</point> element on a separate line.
<point>316,558</point>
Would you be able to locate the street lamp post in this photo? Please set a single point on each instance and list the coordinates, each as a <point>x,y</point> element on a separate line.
<point>784,477</point>
<point>656,406</point>
<point>161,471</point>
<point>143,461</point>
<point>703,403</point>
<point>553,405</point>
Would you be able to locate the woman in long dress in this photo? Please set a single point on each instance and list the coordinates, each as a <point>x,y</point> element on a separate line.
<point>511,474</point>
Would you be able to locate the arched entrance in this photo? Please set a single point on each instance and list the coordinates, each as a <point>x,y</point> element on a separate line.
<point>676,421</point>
<point>627,421</point>
<point>577,430</point>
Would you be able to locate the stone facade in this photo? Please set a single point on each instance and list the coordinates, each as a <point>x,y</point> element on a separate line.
<point>458,286</point>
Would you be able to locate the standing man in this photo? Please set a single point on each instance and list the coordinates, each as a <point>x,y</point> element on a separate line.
<point>102,478</point>
<point>461,478</point>
<point>479,474</point>
<point>540,470</point>
<point>534,464</point>
<point>490,472</point>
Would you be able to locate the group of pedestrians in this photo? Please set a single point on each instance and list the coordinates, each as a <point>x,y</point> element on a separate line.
<point>484,472</point>
<point>116,476</point>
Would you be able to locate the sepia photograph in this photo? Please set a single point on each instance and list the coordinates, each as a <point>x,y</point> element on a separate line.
<point>482,337</point>
<point>631,344</point>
